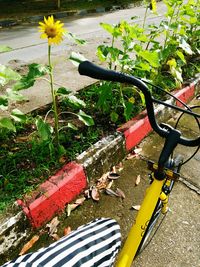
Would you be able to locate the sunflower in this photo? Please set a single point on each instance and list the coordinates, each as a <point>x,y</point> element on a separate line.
<point>153,6</point>
<point>52,30</point>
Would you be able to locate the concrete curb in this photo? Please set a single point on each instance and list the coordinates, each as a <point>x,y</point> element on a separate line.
<point>52,196</point>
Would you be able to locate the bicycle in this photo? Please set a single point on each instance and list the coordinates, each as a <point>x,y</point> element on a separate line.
<point>97,243</point>
<point>163,174</point>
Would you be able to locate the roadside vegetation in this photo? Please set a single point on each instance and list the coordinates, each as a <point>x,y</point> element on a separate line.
<point>33,146</point>
<point>33,7</point>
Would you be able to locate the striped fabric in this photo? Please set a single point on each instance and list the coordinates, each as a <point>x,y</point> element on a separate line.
<point>95,244</point>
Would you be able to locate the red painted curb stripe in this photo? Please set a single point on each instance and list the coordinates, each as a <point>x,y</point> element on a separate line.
<point>56,192</point>
<point>136,129</point>
<point>137,132</point>
<point>185,94</point>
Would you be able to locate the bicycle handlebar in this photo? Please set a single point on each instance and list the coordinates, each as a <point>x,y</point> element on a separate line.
<point>87,68</point>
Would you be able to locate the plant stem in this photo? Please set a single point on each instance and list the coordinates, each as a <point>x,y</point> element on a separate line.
<point>55,109</point>
<point>112,45</point>
<point>145,16</point>
<point>169,25</point>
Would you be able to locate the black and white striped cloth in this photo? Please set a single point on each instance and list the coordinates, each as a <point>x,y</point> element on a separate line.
<point>95,244</point>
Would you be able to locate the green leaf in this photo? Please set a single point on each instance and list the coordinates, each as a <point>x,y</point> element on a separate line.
<point>181,56</point>
<point>144,66</point>
<point>172,63</point>
<point>109,28</point>
<point>76,58</point>
<point>35,71</point>
<point>142,97</point>
<point>7,123</point>
<point>177,74</point>
<point>86,119</point>
<point>137,48</point>
<point>134,17</point>
<point>7,74</point>
<point>4,48</point>
<point>24,83</point>
<point>77,40</point>
<point>72,126</point>
<point>63,91</point>
<point>185,46</point>
<point>17,115</point>
<point>114,116</point>
<point>105,93</point>
<point>75,101</point>
<point>151,56</point>
<point>3,102</point>
<point>14,96</point>
<point>128,107</point>
<point>44,129</point>
<point>102,52</point>
<point>61,150</point>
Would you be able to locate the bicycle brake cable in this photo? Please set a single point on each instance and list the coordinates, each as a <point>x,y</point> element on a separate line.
<point>168,93</point>
<point>186,106</point>
<point>198,123</point>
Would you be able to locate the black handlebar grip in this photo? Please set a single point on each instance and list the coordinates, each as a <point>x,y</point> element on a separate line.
<point>89,69</point>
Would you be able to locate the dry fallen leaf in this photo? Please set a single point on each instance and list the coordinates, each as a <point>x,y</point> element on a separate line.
<point>67,230</point>
<point>22,138</point>
<point>74,205</point>
<point>134,153</point>
<point>71,207</point>
<point>103,178</point>
<point>55,237</point>
<point>119,167</point>
<point>53,225</point>
<point>80,200</point>
<point>136,207</point>
<point>63,159</point>
<point>15,148</point>
<point>114,169</point>
<point>111,192</point>
<point>120,193</point>
<point>113,176</point>
<point>137,150</point>
<point>109,184</point>
<point>137,181</point>
<point>95,194</point>
<point>130,156</point>
<point>102,185</point>
<point>87,193</point>
<point>29,245</point>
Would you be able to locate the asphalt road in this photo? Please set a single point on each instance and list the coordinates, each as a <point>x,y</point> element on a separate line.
<point>27,45</point>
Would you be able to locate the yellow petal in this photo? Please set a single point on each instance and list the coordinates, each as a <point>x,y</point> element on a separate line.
<point>43,36</point>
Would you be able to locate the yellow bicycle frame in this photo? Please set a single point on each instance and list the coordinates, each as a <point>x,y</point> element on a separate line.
<point>137,231</point>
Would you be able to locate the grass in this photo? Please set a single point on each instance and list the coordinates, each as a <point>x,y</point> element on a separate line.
<point>26,162</point>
